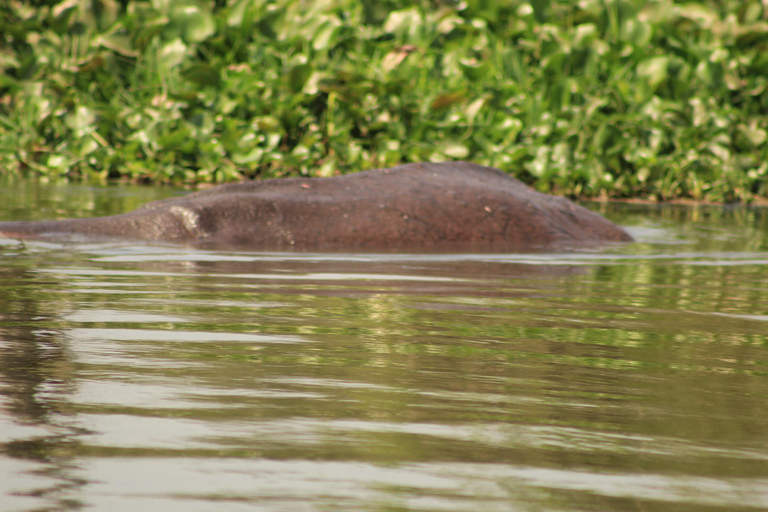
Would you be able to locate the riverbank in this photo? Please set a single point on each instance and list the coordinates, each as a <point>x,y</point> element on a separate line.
<point>617,99</point>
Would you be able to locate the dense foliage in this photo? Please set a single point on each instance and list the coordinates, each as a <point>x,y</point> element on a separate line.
<point>595,97</point>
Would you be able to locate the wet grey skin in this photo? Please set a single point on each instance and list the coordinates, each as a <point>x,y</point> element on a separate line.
<point>426,207</point>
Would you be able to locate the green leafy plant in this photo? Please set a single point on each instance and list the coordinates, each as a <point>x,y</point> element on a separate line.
<point>593,98</point>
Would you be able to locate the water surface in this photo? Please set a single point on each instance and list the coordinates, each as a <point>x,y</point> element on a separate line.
<point>153,377</point>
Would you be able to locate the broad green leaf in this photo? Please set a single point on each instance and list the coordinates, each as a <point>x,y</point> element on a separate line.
<point>86,146</point>
<point>561,154</point>
<point>239,10</point>
<point>255,155</point>
<point>540,9</point>
<point>268,123</point>
<point>749,35</point>
<point>756,136</point>
<point>298,75</point>
<point>700,13</point>
<point>93,64</point>
<point>396,57</point>
<point>720,151</point>
<point>473,69</point>
<point>172,54</point>
<point>325,34</point>
<point>327,168</point>
<point>405,24</point>
<point>148,30</point>
<point>162,5</point>
<point>8,60</point>
<point>654,70</point>
<point>315,82</point>
<point>449,23</point>
<point>190,22</point>
<point>454,149</point>
<point>636,32</point>
<point>448,99</point>
<point>202,74</point>
<point>178,139</point>
<point>474,108</point>
<point>57,161</point>
<point>540,164</point>
<point>585,34</point>
<point>80,121</point>
<point>63,15</point>
<point>119,44</point>
<point>106,12</point>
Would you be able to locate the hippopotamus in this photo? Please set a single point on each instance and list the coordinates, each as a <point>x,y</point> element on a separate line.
<point>422,207</point>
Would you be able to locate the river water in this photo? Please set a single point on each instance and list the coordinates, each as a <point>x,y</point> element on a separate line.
<point>151,377</point>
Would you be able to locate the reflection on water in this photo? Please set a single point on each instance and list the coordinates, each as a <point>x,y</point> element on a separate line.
<point>630,378</point>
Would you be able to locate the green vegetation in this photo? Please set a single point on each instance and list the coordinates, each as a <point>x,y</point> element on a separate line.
<point>592,98</point>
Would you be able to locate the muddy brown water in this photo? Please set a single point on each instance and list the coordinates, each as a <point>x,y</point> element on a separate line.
<point>154,377</point>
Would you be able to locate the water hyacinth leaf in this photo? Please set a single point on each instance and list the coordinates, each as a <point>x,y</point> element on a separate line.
<point>471,111</point>
<point>406,24</point>
<point>710,73</point>
<point>86,146</point>
<point>636,32</point>
<point>326,169</point>
<point>253,156</point>
<point>396,57</point>
<point>12,86</point>
<point>435,156</point>
<point>187,96</point>
<point>118,44</point>
<point>325,34</point>
<point>106,12</point>
<point>562,155</point>
<point>92,64</point>
<point>554,61</point>
<point>63,13</point>
<point>80,121</point>
<point>540,163</point>
<point>448,99</point>
<point>202,74</point>
<point>178,139</point>
<point>454,149</point>
<point>298,75</point>
<point>755,135</point>
<point>240,9</point>
<point>273,140</point>
<point>171,54</point>
<point>202,126</point>
<point>8,59</point>
<point>448,24</point>
<point>57,161</point>
<point>190,22</point>
<point>317,80</point>
<point>149,30</point>
<point>720,151</point>
<point>540,9</point>
<point>703,15</point>
<point>751,11</point>
<point>473,69</point>
<point>753,33</point>
<point>162,5</point>
<point>511,127</point>
<point>654,70</point>
<point>585,34</point>
<point>268,124</point>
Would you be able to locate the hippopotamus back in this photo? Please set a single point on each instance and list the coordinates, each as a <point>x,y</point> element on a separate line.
<point>433,207</point>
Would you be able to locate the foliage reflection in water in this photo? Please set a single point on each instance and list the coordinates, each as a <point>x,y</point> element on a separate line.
<point>629,378</point>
